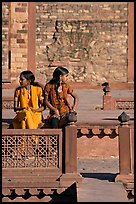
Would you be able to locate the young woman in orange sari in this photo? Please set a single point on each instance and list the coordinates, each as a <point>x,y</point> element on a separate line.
<point>57,92</point>
<point>28,102</point>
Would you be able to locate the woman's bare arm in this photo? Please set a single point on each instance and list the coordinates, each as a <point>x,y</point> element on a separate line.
<point>48,104</point>
<point>76,100</point>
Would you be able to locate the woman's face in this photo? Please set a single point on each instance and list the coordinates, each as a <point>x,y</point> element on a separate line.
<point>23,81</point>
<point>64,78</point>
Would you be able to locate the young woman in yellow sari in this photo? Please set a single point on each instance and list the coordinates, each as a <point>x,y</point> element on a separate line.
<point>28,102</point>
<point>56,93</point>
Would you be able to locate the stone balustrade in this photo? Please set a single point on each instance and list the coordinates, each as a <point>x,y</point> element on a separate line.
<point>42,161</point>
<point>113,103</point>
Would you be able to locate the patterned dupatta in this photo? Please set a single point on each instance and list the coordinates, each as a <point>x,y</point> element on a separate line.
<point>53,94</point>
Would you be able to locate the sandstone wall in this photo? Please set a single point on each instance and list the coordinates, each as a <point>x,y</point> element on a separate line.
<point>89,38</point>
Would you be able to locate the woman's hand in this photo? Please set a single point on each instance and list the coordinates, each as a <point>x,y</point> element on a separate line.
<point>33,110</point>
<point>56,113</point>
<point>72,110</point>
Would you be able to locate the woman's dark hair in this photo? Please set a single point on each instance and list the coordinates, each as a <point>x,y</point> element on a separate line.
<point>59,71</point>
<point>30,76</point>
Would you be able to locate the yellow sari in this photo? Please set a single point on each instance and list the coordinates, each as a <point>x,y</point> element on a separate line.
<point>26,118</point>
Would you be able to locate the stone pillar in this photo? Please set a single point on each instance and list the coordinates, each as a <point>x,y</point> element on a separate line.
<point>131,42</point>
<point>18,38</point>
<point>70,149</point>
<point>124,145</point>
<point>31,36</point>
<point>70,174</point>
<point>108,101</point>
<point>125,150</point>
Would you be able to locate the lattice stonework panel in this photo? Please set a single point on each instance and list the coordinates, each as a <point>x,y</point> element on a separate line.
<point>30,151</point>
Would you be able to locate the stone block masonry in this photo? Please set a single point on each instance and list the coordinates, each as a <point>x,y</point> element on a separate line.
<point>16,37</point>
<point>89,38</point>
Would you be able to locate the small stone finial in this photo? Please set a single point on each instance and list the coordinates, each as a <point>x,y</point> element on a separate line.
<point>123,118</point>
<point>105,84</point>
<point>72,118</point>
<point>106,88</point>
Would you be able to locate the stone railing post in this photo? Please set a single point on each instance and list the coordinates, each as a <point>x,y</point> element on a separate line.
<point>108,101</point>
<point>70,148</point>
<point>70,174</point>
<point>126,155</point>
<point>124,144</point>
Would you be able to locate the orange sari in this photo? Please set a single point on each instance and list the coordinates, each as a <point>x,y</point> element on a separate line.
<point>61,100</point>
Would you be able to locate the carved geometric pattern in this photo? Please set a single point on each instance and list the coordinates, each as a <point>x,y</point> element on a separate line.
<point>125,105</point>
<point>30,151</point>
<point>43,193</point>
<point>99,131</point>
<point>7,104</point>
